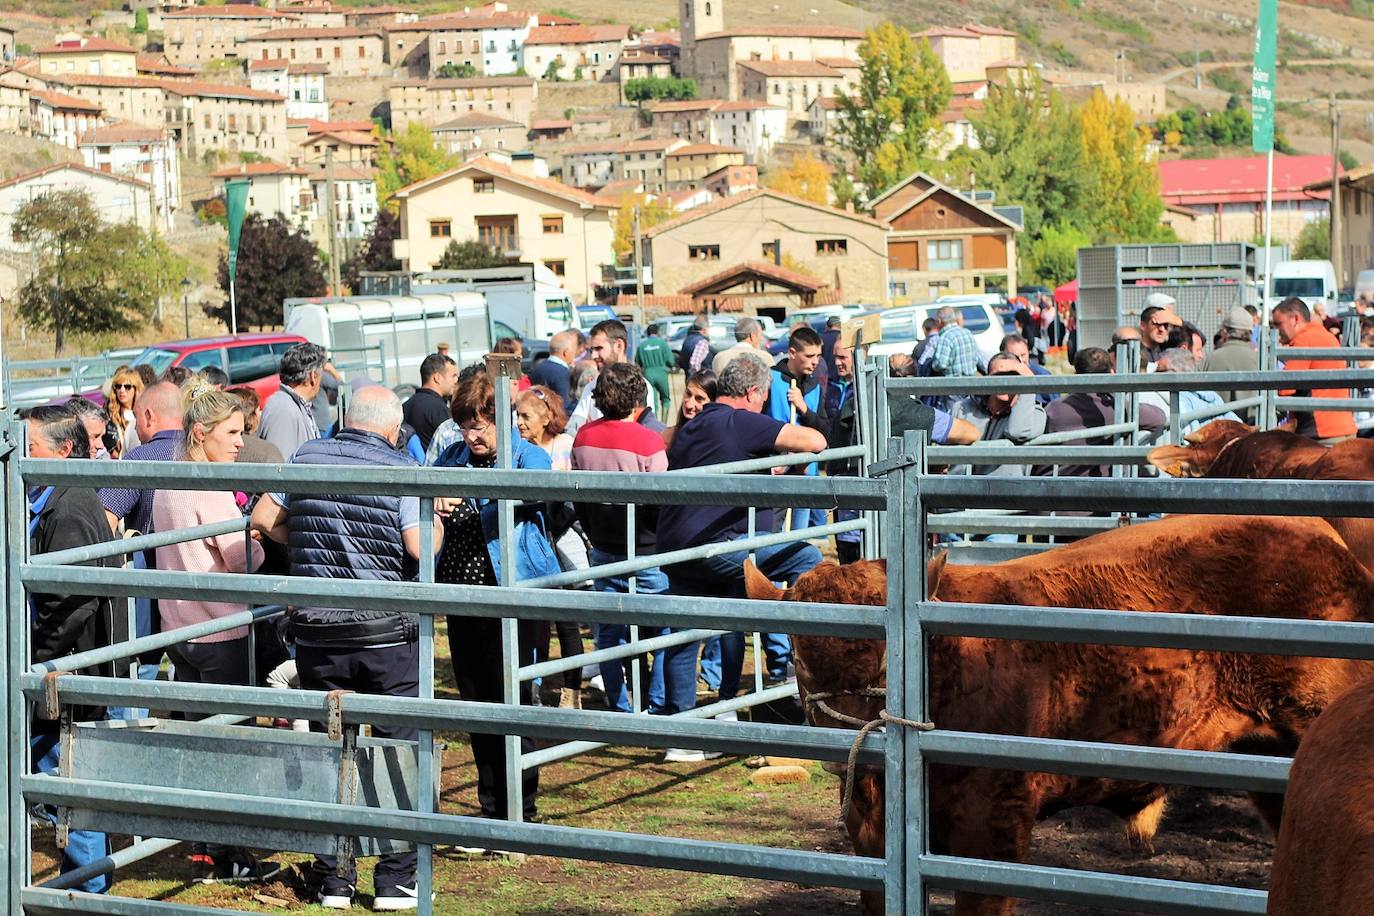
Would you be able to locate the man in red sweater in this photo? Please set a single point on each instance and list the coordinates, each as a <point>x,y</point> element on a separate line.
<point>1297,329</point>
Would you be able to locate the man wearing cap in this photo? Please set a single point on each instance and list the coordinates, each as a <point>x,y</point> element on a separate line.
<point>1235,352</point>
<point>1155,321</point>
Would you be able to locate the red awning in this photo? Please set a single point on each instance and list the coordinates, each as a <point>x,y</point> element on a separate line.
<point>1067,293</point>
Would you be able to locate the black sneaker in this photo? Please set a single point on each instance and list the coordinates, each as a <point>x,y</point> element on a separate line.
<point>396,898</point>
<point>240,871</point>
<point>336,896</point>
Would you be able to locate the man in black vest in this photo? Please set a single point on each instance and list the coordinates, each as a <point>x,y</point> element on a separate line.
<point>356,537</point>
<point>696,354</point>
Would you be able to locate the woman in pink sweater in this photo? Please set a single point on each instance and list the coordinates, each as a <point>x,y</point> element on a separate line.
<point>213,430</point>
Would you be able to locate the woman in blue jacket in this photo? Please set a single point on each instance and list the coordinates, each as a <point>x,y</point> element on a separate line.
<point>471,555</point>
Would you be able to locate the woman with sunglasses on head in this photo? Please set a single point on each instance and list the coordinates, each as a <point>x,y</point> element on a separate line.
<point>540,419</point>
<point>121,392</point>
<point>471,555</point>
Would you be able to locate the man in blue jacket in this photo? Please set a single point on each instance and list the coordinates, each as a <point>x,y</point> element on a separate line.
<point>796,396</point>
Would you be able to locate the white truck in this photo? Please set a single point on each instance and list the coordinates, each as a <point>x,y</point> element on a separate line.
<point>525,297</point>
<point>401,330</point>
<point>1311,281</point>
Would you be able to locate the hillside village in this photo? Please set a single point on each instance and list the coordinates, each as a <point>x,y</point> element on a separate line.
<point>552,125</point>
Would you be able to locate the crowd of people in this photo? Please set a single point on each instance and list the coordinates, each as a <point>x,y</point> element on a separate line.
<point>591,406</point>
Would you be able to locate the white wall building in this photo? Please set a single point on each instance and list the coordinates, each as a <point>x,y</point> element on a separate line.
<point>117,199</point>
<point>274,190</point>
<point>146,153</point>
<point>749,125</point>
<point>355,204</point>
<point>301,83</point>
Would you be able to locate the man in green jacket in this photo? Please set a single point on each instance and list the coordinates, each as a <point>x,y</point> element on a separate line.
<point>655,357</point>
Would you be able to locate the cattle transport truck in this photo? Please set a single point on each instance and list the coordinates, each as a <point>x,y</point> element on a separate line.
<point>527,299</point>
<point>397,331</point>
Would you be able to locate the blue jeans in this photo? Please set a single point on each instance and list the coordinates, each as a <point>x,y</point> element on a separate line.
<point>710,662</point>
<point>609,635</point>
<point>722,576</point>
<point>83,846</point>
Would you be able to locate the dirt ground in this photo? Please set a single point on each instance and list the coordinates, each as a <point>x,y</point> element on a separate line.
<point>1209,837</point>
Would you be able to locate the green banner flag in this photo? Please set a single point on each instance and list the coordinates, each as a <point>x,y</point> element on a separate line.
<point>1262,77</point>
<point>236,202</point>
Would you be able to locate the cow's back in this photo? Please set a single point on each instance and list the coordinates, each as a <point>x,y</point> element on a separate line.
<point>1324,859</point>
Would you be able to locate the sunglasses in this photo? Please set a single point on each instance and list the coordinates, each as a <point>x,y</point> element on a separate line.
<point>124,386</point>
<point>1160,324</point>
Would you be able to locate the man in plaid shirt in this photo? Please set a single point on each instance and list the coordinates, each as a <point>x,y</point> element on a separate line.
<point>955,350</point>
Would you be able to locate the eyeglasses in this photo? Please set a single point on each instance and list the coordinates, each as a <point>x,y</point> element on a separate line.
<point>473,430</point>
<point>1160,324</point>
<point>124,386</point>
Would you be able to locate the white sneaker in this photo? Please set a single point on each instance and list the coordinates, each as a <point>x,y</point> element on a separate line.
<point>688,755</point>
<point>597,683</point>
<point>336,901</point>
<point>471,850</point>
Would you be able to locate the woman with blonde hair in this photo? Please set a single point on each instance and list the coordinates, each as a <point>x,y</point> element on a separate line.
<point>212,427</point>
<point>121,391</point>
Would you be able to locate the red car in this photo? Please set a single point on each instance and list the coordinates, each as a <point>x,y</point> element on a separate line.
<point>248,359</point>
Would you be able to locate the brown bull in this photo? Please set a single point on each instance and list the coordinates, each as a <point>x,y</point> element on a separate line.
<point>1227,449</point>
<point>1324,860</point>
<point>1264,567</point>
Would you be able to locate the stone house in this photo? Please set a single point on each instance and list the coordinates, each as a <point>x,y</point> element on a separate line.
<point>346,52</point>
<point>231,118</point>
<point>477,131</point>
<point>440,100</point>
<point>574,52</point>
<point>491,44</point>
<point>73,53</point>
<point>791,84</point>
<point>688,166</point>
<point>200,34</point>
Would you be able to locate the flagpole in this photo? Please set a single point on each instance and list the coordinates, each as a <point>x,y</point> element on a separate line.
<point>234,312</point>
<point>1268,234</point>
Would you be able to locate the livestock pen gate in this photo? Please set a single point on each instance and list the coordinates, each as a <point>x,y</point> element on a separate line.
<point>266,813</point>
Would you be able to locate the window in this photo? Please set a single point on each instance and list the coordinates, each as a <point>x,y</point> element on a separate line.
<point>497,232</point>
<point>248,364</point>
<point>708,7</point>
<point>440,229</point>
<point>362,52</point>
<point>945,255</point>
<point>443,46</point>
<point>703,252</point>
<point>338,52</point>
<point>558,267</point>
<point>832,247</point>
<point>194,362</point>
<point>553,225</point>
<point>319,53</point>
<point>484,186</point>
<point>770,251</point>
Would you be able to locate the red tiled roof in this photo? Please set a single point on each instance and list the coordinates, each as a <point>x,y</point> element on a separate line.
<point>290,66</point>
<point>256,169</point>
<point>614,191</point>
<point>294,34</point>
<point>727,202</point>
<point>786,31</point>
<point>640,57</point>
<point>969,87</point>
<point>772,68</point>
<point>219,91</point>
<point>652,145</point>
<point>350,137</point>
<point>1192,182</point>
<point>946,32</point>
<point>840,63</point>
<point>123,133</point>
<point>148,62</point>
<point>84,44</point>
<point>744,105</point>
<point>827,102</point>
<point>492,167</point>
<point>228,11</point>
<point>552,124</point>
<point>76,166</point>
<point>576,34</point>
<point>102,79</point>
<point>705,149</point>
<point>987,30</point>
<point>769,271</point>
<point>62,100</point>
<point>316,126</point>
<point>477,120</point>
<point>688,105</point>
<point>449,22</point>
<point>677,304</point>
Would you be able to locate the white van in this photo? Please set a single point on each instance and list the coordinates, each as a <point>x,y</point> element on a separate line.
<point>1311,281</point>
<point>407,329</point>
<point>1364,286</point>
<point>901,326</point>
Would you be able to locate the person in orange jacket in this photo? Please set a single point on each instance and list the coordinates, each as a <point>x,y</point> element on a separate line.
<point>1297,329</point>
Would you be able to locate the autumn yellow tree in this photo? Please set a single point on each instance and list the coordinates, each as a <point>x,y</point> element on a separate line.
<point>652,211</point>
<point>806,177</point>
<point>891,121</point>
<point>1123,187</point>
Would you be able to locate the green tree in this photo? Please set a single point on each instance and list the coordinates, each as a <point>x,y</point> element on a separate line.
<point>375,253</point>
<point>842,186</point>
<point>1054,255</point>
<point>551,71</point>
<point>650,88</point>
<point>92,277</point>
<point>1314,242</point>
<point>1348,160</point>
<point>652,211</point>
<point>275,263</point>
<point>468,255</point>
<point>140,21</point>
<point>408,157</point>
<point>890,122</point>
<point>1123,193</point>
<point>450,71</point>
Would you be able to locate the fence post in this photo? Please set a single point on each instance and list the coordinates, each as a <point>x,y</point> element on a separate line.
<point>913,683</point>
<point>894,752</point>
<point>510,627</point>
<point>426,792</point>
<point>16,623</point>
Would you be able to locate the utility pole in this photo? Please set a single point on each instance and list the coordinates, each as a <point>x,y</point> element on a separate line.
<point>639,266</point>
<point>1336,247</point>
<point>329,221</point>
<point>1197,64</point>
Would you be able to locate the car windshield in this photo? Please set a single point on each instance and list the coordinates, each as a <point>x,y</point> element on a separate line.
<point>158,359</point>
<point>1308,287</point>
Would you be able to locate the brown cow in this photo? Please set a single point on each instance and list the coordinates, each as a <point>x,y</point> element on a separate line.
<point>1324,860</point>
<point>1227,449</point>
<point>1158,697</point>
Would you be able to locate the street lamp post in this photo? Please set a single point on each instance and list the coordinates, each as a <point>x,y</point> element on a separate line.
<point>186,303</point>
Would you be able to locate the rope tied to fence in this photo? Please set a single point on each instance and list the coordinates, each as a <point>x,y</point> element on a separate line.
<point>816,701</point>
